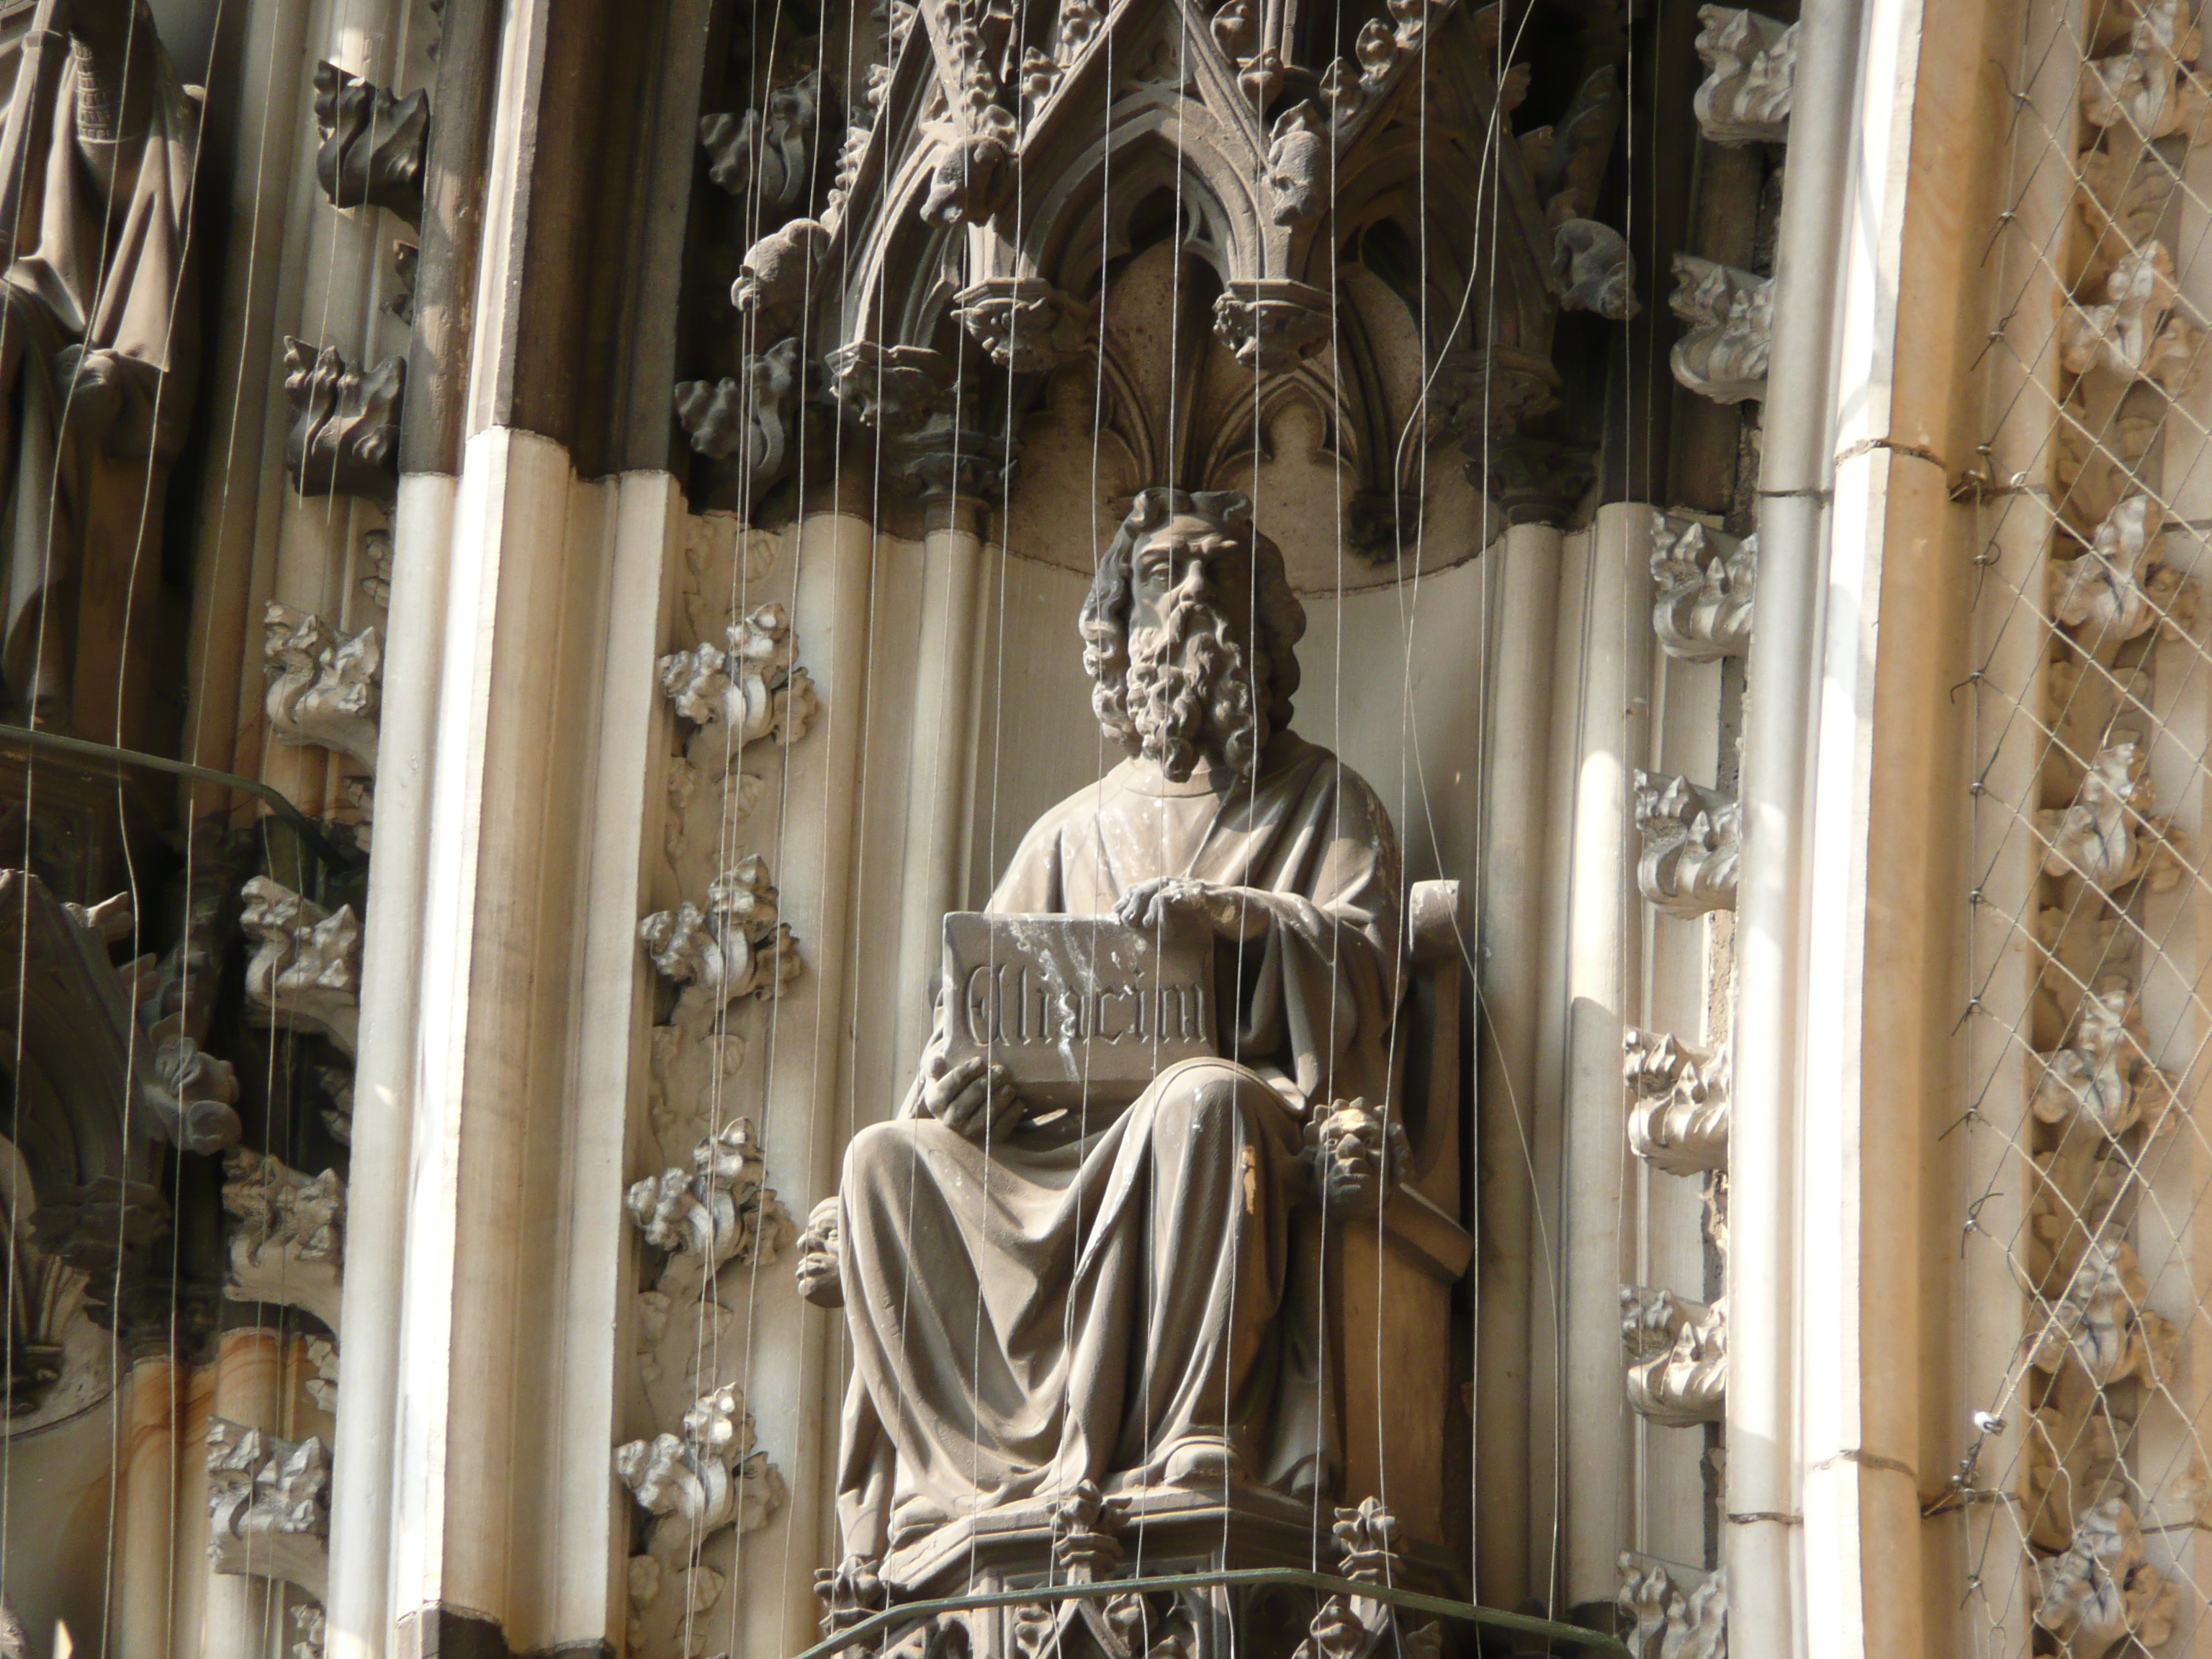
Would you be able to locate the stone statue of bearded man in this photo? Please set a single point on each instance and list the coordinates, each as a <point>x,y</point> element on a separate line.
<point>1127,1295</point>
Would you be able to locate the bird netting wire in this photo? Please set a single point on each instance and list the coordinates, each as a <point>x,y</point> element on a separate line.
<point>2085,1476</point>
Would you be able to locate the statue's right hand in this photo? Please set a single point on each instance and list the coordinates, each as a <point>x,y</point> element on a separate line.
<point>975,1097</point>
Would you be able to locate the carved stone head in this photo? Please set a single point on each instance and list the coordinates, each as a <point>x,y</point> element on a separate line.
<point>1190,632</point>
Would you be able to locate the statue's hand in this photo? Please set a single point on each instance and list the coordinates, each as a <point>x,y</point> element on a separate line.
<point>1231,912</point>
<point>819,1269</point>
<point>1358,1155</point>
<point>976,1098</point>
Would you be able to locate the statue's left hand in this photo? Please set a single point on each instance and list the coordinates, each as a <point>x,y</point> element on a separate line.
<point>1237,913</point>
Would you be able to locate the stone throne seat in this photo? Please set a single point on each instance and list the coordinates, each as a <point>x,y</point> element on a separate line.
<point>1387,1279</point>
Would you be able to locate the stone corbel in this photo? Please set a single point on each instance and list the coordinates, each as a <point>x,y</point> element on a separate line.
<point>1657,1621</point>
<point>894,390</point>
<point>1678,1111</point>
<point>2150,91</point>
<point>1751,65</point>
<point>290,1244</point>
<point>325,688</point>
<point>2098,1324</point>
<point>2108,837</point>
<point>1595,270</point>
<point>1705,584</point>
<point>372,143</point>
<point>716,1213</point>
<point>2101,1592</point>
<point>305,972</point>
<point>1722,355</point>
<point>344,436</point>
<point>268,1506</point>
<point>756,416</point>
<point>2122,586</point>
<point>1358,1626</point>
<point>1271,323</point>
<point>1023,323</point>
<point>2103,1079</point>
<point>1692,840</point>
<point>765,158</point>
<point>1678,1356</point>
<point>751,684</point>
<point>708,1477</point>
<point>2139,332</point>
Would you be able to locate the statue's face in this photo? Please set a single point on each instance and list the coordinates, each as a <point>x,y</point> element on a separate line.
<point>1187,561</point>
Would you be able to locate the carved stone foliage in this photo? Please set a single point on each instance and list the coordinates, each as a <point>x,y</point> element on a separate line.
<point>2103,1079</point>
<point>1595,270</point>
<point>268,1506</point>
<point>1023,323</point>
<point>1678,1356</point>
<point>2069,1463</point>
<point>1270,326</point>
<point>716,1213</point>
<point>766,157</point>
<point>305,971</point>
<point>2122,586</point>
<point>1731,312</point>
<point>2098,1324</point>
<point>2152,89</point>
<point>2101,1592</point>
<point>343,439</point>
<point>2108,837</point>
<point>708,1477</point>
<point>751,684</point>
<point>1705,585</point>
<point>736,947</point>
<point>372,143</point>
<point>1751,65</point>
<point>755,416</point>
<point>1357,1626</point>
<point>1656,1619</point>
<point>325,687</point>
<point>1299,170</point>
<point>1693,840</point>
<point>289,1247</point>
<point>2138,332</point>
<point>1678,1103</point>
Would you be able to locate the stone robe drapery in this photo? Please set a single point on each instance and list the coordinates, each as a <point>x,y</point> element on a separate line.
<point>1077,1298</point>
<point>96,319</point>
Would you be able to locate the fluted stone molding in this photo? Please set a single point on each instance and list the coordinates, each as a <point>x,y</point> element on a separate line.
<point>1731,312</point>
<point>305,971</point>
<point>736,947</point>
<point>1023,323</point>
<point>765,157</point>
<point>708,1477</point>
<point>289,1247</point>
<point>1705,584</point>
<point>2137,331</point>
<point>755,416</point>
<point>1678,1356</point>
<point>2108,838</point>
<point>343,438</point>
<point>372,143</point>
<point>2121,586</point>
<point>1678,1103</point>
<point>1693,842</point>
<point>2101,1592</point>
<point>1657,1621</point>
<point>1751,65</point>
<point>2098,1324</point>
<point>2148,91</point>
<point>268,1506</point>
<point>324,688</point>
<point>2103,1079</point>
<point>1596,269</point>
<point>716,1213</point>
<point>751,683</point>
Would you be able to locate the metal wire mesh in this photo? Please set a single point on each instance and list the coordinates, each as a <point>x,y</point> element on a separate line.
<point>2086,1234</point>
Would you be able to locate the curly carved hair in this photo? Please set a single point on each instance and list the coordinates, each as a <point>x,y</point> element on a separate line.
<point>1279,621</point>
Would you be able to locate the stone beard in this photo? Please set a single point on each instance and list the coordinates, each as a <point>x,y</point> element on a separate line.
<point>1127,1291</point>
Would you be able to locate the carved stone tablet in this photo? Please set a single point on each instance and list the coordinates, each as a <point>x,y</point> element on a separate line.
<point>1071,1003</point>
